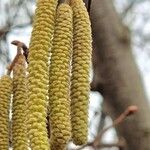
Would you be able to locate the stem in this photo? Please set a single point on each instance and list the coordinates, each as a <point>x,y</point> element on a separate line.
<point>10,67</point>
<point>129,111</point>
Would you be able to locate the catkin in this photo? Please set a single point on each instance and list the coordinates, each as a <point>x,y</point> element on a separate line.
<point>81,60</point>
<point>60,79</point>
<point>19,127</point>
<point>40,44</point>
<point>5,96</point>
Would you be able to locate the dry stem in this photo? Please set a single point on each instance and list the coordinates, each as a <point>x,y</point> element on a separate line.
<point>10,67</point>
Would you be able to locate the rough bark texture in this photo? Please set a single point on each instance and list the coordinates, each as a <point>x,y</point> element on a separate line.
<point>116,75</point>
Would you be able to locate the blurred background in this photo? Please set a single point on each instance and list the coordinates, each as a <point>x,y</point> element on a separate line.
<point>131,46</point>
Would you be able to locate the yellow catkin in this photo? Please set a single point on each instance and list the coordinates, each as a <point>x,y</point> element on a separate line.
<point>40,44</point>
<point>19,126</point>
<point>81,60</point>
<point>60,79</point>
<point>5,96</point>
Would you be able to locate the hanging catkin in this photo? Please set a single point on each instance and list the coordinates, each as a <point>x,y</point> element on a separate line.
<point>80,72</point>
<point>19,127</point>
<point>60,79</point>
<point>5,95</point>
<point>40,44</point>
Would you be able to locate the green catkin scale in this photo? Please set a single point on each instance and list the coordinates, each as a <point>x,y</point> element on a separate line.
<point>81,61</point>
<point>5,96</point>
<point>19,127</point>
<point>38,79</point>
<point>60,79</point>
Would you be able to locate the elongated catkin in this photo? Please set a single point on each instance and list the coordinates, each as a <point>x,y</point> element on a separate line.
<point>5,96</point>
<point>80,72</point>
<point>19,126</point>
<point>40,44</point>
<point>60,79</point>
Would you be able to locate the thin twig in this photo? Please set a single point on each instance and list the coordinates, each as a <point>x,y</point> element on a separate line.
<point>128,8</point>
<point>129,111</point>
<point>101,124</point>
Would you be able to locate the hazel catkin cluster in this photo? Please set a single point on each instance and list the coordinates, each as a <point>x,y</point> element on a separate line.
<point>59,79</point>
<point>56,83</point>
<point>19,126</point>
<point>5,96</point>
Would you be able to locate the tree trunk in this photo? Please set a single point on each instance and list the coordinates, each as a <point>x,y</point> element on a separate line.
<point>116,75</point>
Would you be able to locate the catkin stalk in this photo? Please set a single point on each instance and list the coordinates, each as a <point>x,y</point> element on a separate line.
<point>5,96</point>
<point>81,61</point>
<point>60,79</point>
<point>40,44</point>
<point>19,126</point>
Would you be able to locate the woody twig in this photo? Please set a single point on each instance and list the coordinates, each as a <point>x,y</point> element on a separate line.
<point>10,67</point>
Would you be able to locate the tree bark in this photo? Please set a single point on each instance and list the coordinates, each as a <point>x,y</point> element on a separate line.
<point>116,75</point>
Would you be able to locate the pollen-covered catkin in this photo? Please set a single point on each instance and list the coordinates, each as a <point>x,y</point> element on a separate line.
<point>5,96</point>
<point>38,79</point>
<point>60,79</point>
<point>81,61</point>
<point>19,127</point>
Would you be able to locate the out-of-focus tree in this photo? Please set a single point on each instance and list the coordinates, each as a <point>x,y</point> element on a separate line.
<point>116,75</point>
